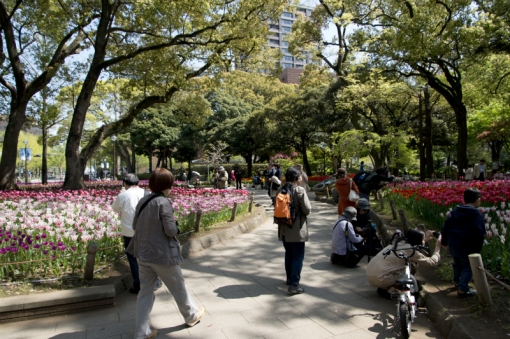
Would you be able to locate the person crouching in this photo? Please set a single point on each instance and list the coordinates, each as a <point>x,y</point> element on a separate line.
<point>347,248</point>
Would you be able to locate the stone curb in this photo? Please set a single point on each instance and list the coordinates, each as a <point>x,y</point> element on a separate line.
<point>445,322</point>
<point>26,307</point>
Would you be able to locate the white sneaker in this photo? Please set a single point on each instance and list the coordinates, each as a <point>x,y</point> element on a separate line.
<point>201,312</point>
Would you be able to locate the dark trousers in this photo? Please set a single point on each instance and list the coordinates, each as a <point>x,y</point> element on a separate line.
<point>133,264</point>
<point>351,260</point>
<point>238,184</point>
<point>294,256</point>
<point>462,273</point>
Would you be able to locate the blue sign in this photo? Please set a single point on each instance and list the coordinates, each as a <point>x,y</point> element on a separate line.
<point>28,154</point>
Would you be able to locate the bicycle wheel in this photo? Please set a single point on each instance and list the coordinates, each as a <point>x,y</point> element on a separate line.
<point>405,320</point>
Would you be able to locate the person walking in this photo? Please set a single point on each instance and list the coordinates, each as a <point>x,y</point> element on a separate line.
<point>125,205</point>
<point>158,253</point>
<point>294,236</point>
<point>362,166</point>
<point>215,178</point>
<point>343,186</point>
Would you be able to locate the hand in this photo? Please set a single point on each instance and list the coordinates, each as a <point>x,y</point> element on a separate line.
<point>359,230</point>
<point>428,235</point>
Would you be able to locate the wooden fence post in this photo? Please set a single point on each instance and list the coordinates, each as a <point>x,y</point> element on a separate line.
<point>234,211</point>
<point>197,220</point>
<point>91,259</point>
<point>393,209</point>
<point>403,220</point>
<point>482,287</point>
<point>251,203</point>
<point>381,200</point>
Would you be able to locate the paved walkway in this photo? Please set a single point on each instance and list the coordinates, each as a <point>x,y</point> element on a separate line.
<point>241,285</point>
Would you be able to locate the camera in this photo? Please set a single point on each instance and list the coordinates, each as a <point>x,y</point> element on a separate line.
<point>436,234</point>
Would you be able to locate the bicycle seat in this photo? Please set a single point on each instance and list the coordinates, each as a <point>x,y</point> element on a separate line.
<point>405,281</point>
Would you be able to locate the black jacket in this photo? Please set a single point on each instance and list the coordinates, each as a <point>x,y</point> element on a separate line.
<point>464,230</point>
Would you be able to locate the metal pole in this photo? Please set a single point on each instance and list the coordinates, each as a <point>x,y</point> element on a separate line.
<point>26,165</point>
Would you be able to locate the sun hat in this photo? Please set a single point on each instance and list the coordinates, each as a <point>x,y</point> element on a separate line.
<point>350,213</point>
<point>363,204</point>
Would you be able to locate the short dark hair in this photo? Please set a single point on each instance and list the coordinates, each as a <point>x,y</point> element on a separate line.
<point>415,237</point>
<point>292,174</point>
<point>277,165</point>
<point>160,180</point>
<point>130,179</point>
<point>471,195</point>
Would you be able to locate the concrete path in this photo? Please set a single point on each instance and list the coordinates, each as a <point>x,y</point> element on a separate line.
<point>242,286</point>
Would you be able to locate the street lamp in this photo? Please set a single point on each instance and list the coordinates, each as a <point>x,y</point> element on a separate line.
<point>114,138</point>
<point>26,158</point>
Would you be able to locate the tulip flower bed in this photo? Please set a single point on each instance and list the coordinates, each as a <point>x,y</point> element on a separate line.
<point>45,231</point>
<point>433,201</point>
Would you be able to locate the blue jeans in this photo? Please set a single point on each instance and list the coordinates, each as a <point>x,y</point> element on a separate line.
<point>133,264</point>
<point>461,270</point>
<point>294,256</point>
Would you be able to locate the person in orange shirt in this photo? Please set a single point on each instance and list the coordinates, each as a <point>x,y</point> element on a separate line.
<point>343,186</point>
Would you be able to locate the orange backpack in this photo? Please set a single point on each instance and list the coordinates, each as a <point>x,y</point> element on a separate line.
<point>284,209</point>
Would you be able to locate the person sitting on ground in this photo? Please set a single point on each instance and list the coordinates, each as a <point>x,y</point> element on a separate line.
<point>363,226</point>
<point>345,238</point>
<point>463,234</point>
<point>384,272</point>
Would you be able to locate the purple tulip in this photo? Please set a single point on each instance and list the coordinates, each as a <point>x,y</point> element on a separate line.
<point>14,249</point>
<point>3,251</point>
<point>60,243</point>
<point>13,243</point>
<point>37,245</point>
<point>14,238</point>
<point>43,236</point>
<point>23,236</point>
<point>45,252</point>
<point>29,241</point>
<point>20,233</point>
<point>51,243</point>
<point>63,247</point>
<point>54,247</point>
<point>45,243</point>
<point>37,237</point>
<point>73,248</point>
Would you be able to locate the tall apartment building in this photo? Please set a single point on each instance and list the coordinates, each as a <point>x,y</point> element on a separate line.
<point>277,40</point>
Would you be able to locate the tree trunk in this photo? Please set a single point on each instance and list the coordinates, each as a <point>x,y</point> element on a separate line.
<point>496,147</point>
<point>17,118</point>
<point>462,138</point>
<point>44,170</point>
<point>150,160</point>
<point>306,164</point>
<point>421,147</point>
<point>428,135</point>
<point>133,158</point>
<point>249,162</point>
<point>125,156</point>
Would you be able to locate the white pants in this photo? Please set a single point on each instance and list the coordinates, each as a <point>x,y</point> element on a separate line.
<point>171,276</point>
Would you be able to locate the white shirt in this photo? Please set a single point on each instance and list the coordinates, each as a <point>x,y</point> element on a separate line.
<point>125,205</point>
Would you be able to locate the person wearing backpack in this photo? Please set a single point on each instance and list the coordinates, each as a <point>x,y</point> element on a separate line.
<point>293,235</point>
<point>373,181</point>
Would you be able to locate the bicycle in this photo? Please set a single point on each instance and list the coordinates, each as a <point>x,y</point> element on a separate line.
<point>407,306</point>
